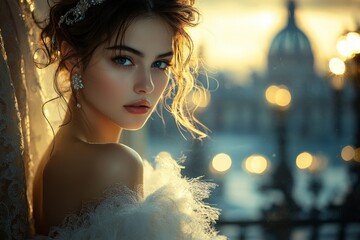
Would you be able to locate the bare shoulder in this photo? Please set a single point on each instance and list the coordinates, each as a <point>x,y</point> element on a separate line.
<point>119,153</point>
<point>90,168</point>
<point>111,164</point>
<point>80,172</point>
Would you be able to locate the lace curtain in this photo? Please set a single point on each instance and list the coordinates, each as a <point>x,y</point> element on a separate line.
<point>23,136</point>
<point>24,132</point>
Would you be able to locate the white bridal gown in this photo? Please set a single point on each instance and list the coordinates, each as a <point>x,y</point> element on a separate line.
<point>172,208</point>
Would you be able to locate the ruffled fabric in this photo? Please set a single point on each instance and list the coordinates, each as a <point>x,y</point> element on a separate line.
<point>172,209</point>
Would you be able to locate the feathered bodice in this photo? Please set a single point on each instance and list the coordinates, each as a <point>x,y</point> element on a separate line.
<point>172,208</point>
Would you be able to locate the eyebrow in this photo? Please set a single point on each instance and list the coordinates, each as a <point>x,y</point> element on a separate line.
<point>137,52</point>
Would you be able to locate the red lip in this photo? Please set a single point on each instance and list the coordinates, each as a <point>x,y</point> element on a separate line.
<point>138,107</point>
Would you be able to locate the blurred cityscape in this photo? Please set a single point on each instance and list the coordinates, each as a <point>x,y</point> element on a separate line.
<point>284,148</point>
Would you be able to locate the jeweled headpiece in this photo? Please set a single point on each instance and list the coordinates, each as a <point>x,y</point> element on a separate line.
<point>77,13</point>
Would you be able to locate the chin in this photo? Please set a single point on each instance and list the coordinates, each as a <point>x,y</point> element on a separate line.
<point>132,123</point>
<point>132,127</point>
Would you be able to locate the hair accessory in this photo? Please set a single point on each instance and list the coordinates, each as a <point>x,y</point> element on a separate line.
<point>77,82</point>
<point>77,13</point>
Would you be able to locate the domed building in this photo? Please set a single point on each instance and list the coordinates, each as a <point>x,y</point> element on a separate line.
<point>291,63</point>
<point>242,111</point>
<point>290,44</point>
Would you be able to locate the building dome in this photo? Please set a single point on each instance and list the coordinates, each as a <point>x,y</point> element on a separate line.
<point>290,41</point>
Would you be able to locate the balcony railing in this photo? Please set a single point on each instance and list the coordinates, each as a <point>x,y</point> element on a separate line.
<point>309,229</point>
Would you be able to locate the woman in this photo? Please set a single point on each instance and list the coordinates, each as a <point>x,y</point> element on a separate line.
<point>116,57</point>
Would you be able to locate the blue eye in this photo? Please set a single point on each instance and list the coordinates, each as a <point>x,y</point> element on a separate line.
<point>122,61</point>
<point>163,65</point>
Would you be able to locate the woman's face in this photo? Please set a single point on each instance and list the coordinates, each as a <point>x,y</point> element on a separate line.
<point>124,81</point>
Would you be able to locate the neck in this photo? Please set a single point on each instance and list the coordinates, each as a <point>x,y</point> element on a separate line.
<point>89,125</point>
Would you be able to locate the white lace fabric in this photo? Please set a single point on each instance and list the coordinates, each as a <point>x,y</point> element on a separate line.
<point>22,132</point>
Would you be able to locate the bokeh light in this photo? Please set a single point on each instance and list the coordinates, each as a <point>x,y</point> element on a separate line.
<point>221,162</point>
<point>256,164</point>
<point>337,66</point>
<point>304,160</point>
<point>201,98</point>
<point>271,93</point>
<point>353,39</point>
<point>348,153</point>
<point>278,95</point>
<point>198,99</point>
<point>349,45</point>
<point>283,97</point>
<point>343,48</point>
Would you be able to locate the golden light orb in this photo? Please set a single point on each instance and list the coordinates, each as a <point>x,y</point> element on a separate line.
<point>353,41</point>
<point>348,153</point>
<point>283,97</point>
<point>337,66</point>
<point>278,95</point>
<point>304,160</point>
<point>343,48</point>
<point>221,162</point>
<point>256,164</point>
<point>270,93</point>
<point>201,98</point>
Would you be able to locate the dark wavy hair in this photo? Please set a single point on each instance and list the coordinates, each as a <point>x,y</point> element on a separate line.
<point>112,18</point>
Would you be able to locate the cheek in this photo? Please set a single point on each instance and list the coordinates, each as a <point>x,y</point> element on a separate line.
<point>109,86</point>
<point>160,83</point>
<point>106,87</point>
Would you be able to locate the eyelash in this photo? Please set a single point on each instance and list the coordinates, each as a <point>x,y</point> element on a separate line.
<point>167,64</point>
<point>115,60</point>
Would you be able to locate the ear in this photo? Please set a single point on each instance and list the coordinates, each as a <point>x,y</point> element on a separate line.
<point>71,63</point>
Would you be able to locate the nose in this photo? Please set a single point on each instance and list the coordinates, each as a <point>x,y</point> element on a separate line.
<point>144,83</point>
